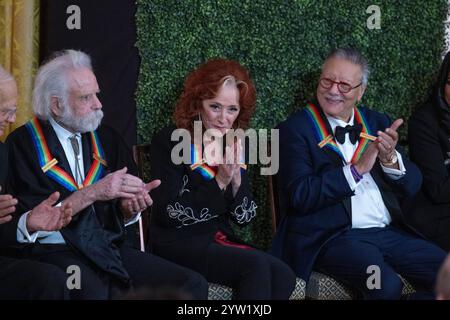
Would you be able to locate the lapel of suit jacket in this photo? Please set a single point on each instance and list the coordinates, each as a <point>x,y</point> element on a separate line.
<point>87,151</point>
<point>334,157</point>
<point>387,194</point>
<point>55,147</point>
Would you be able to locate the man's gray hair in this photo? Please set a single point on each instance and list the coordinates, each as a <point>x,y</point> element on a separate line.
<point>52,81</point>
<point>5,75</point>
<point>354,56</point>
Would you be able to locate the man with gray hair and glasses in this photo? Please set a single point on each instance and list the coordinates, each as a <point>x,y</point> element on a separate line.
<point>21,278</point>
<point>345,177</point>
<point>65,148</point>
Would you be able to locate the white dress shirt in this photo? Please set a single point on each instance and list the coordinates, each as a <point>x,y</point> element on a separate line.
<point>368,208</point>
<point>55,237</point>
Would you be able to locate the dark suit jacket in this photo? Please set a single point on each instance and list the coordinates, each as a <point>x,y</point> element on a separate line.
<point>98,230</point>
<point>318,194</point>
<point>3,166</point>
<point>7,230</point>
<point>188,210</point>
<point>429,147</point>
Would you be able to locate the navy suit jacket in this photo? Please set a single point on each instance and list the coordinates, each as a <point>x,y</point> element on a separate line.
<point>317,194</point>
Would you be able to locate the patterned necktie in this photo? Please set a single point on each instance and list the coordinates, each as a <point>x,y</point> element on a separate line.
<point>76,150</point>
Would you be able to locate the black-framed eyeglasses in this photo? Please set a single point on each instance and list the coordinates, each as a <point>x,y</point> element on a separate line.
<point>343,87</point>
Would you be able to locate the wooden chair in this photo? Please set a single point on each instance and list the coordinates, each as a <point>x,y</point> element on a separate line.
<point>319,286</point>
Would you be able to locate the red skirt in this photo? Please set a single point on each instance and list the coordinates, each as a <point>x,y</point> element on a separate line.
<point>221,239</point>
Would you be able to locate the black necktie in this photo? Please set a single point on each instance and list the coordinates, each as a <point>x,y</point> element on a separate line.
<point>353,132</point>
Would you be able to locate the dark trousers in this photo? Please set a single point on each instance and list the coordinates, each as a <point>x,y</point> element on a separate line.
<point>22,279</point>
<point>348,257</point>
<point>253,274</point>
<point>151,277</point>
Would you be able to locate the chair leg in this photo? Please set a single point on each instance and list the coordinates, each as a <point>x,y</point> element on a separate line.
<point>141,234</point>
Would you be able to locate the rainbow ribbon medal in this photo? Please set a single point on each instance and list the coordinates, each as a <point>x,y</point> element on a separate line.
<point>200,165</point>
<point>326,140</point>
<point>49,166</point>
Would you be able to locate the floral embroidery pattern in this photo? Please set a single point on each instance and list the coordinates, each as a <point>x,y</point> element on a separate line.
<point>245,212</point>
<point>186,215</point>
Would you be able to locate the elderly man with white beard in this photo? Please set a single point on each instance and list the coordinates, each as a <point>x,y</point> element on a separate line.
<point>65,148</point>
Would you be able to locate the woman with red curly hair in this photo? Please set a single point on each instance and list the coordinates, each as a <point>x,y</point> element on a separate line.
<point>197,200</point>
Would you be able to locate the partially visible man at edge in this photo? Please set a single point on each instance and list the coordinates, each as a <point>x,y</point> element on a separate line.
<point>22,279</point>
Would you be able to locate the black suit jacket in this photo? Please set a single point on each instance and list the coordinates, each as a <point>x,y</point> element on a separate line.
<point>7,230</point>
<point>98,230</point>
<point>3,166</point>
<point>429,147</point>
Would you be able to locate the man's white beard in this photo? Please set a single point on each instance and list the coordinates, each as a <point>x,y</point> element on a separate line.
<point>84,124</point>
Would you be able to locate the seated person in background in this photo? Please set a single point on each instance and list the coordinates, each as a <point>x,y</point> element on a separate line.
<point>443,281</point>
<point>344,178</point>
<point>19,278</point>
<point>429,147</point>
<point>64,148</point>
<point>191,215</point>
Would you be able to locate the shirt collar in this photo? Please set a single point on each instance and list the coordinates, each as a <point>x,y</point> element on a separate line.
<point>62,133</point>
<point>334,122</point>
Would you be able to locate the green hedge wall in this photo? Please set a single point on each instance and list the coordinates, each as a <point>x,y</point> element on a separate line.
<point>283,44</point>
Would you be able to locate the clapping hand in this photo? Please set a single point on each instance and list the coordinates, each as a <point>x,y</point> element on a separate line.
<point>46,217</point>
<point>7,206</point>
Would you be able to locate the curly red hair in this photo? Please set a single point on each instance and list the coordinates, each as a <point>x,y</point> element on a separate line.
<point>205,82</point>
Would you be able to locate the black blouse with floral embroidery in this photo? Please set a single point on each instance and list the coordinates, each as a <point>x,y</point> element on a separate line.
<point>189,209</point>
